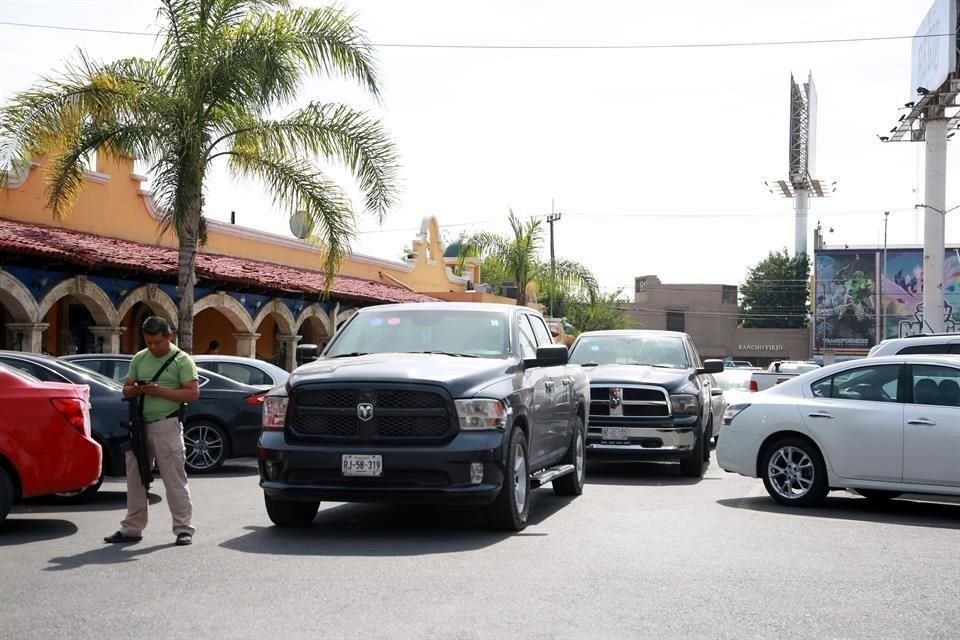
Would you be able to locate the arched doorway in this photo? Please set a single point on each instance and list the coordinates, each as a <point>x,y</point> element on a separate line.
<point>220,317</point>
<point>132,339</point>
<point>18,311</point>
<point>140,304</point>
<point>314,326</point>
<point>275,324</point>
<point>72,310</point>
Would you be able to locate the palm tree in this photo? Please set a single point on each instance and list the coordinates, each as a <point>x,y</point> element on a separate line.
<point>517,259</point>
<point>222,67</point>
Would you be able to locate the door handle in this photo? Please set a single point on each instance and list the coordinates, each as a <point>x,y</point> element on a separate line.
<point>821,414</point>
<point>922,422</point>
<point>548,386</point>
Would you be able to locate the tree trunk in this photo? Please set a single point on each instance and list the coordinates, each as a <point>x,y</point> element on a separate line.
<point>186,273</point>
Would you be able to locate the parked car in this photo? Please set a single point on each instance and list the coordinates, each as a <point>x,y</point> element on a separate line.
<point>431,402</point>
<point>45,440</point>
<point>779,372</point>
<point>939,343</point>
<point>883,426</point>
<point>735,384</point>
<point>651,397</point>
<point>108,411</point>
<point>257,373</point>
<point>224,423</point>
<point>738,364</point>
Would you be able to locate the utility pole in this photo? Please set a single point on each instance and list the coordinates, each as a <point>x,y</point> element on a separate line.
<point>553,217</point>
<point>883,275</point>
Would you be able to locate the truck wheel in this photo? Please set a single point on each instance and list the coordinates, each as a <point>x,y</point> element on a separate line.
<point>512,507</point>
<point>794,473</point>
<point>707,437</point>
<point>290,513</point>
<point>6,493</point>
<point>572,483</point>
<point>692,467</point>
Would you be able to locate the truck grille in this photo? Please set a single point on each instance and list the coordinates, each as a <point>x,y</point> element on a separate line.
<point>628,402</point>
<point>398,415</point>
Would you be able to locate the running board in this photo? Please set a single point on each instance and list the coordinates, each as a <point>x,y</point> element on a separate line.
<point>550,474</point>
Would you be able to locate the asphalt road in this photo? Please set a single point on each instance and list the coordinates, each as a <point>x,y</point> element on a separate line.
<point>643,553</point>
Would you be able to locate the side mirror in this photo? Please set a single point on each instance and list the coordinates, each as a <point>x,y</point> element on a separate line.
<point>711,366</point>
<point>716,391</point>
<point>549,356</point>
<point>307,353</point>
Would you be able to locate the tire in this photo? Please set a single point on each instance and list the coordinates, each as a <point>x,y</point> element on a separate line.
<point>692,467</point>
<point>803,480</point>
<point>511,509</point>
<point>879,496</point>
<point>290,513</point>
<point>6,493</point>
<point>79,497</point>
<point>707,437</point>
<point>206,445</point>
<point>572,483</point>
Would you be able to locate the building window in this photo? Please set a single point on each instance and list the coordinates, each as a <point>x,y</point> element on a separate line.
<point>641,284</point>
<point>729,295</point>
<point>675,321</point>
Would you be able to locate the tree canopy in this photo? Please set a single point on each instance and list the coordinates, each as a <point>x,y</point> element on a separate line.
<point>776,293</point>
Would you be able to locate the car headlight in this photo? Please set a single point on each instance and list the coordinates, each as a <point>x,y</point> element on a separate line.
<point>481,413</point>
<point>685,405</point>
<point>732,412</point>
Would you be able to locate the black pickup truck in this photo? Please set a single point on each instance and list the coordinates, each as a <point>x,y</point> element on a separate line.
<point>433,403</point>
<point>652,398</point>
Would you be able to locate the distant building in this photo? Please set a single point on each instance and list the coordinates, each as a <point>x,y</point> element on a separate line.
<point>708,312</point>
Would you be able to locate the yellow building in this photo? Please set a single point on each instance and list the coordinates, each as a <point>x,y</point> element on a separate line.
<point>84,284</point>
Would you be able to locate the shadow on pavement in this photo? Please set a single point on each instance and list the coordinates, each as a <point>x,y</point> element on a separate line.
<point>15,531</point>
<point>104,555</point>
<point>231,469</point>
<point>390,530</point>
<point>638,473</point>
<point>101,501</point>
<point>846,506</point>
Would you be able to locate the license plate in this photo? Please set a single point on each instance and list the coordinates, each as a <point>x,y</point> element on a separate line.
<point>614,434</point>
<point>369,466</point>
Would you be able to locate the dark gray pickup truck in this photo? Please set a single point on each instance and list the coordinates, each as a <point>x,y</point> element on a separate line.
<point>432,403</point>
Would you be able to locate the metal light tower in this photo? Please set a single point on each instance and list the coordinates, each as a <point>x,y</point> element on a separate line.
<point>801,183</point>
<point>553,217</point>
<point>929,119</point>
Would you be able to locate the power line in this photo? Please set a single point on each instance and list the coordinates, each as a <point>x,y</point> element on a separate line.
<point>541,47</point>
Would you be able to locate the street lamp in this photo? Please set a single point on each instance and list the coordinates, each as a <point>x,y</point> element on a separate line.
<point>932,208</point>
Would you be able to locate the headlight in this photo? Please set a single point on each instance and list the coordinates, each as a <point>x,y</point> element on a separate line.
<point>274,412</point>
<point>481,413</point>
<point>732,412</point>
<point>685,405</point>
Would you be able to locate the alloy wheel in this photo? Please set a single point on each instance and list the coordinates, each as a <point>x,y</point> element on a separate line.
<point>204,447</point>
<point>791,472</point>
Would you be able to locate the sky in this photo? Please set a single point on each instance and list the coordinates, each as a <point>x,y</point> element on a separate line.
<point>656,159</point>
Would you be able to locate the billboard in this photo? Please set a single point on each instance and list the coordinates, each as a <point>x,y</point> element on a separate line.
<point>797,159</point>
<point>854,310</point>
<point>935,47</point>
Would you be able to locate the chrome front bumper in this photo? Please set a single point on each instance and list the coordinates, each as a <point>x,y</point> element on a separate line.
<point>653,442</point>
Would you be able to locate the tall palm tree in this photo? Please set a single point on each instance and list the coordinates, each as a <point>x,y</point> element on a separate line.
<point>222,67</point>
<point>517,258</point>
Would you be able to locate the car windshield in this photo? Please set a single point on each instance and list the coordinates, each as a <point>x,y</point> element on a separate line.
<point>92,375</point>
<point>656,351</point>
<point>481,334</point>
<point>734,380</point>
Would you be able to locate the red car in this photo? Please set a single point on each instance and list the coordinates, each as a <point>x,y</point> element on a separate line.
<point>45,443</point>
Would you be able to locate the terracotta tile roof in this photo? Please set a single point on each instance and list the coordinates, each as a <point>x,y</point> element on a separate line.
<point>93,251</point>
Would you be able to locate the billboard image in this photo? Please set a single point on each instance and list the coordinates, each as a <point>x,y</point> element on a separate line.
<point>901,293</point>
<point>845,296</point>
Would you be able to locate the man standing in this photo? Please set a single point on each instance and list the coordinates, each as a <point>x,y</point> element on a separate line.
<point>163,396</point>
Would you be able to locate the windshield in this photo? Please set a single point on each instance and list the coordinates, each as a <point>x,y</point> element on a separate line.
<point>657,351</point>
<point>481,334</point>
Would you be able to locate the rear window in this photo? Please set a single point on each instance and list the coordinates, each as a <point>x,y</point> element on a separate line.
<point>931,349</point>
<point>23,375</point>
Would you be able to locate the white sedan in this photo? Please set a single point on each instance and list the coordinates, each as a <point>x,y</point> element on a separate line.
<point>883,426</point>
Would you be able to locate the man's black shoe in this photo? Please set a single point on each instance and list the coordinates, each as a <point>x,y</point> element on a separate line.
<point>120,536</point>
<point>183,539</point>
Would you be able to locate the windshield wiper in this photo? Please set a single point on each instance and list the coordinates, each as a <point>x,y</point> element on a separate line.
<point>447,353</point>
<point>350,355</point>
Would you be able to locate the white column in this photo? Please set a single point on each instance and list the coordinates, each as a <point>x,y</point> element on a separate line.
<point>290,343</point>
<point>800,229</point>
<point>247,344</point>
<point>110,337</point>
<point>27,336</point>
<point>935,196</point>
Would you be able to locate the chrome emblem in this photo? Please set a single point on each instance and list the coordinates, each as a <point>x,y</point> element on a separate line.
<point>616,397</point>
<point>365,411</point>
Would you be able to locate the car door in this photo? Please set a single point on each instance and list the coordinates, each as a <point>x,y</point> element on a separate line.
<point>857,415</point>
<point>931,436</point>
<point>705,385</point>
<point>558,389</point>
<point>535,379</point>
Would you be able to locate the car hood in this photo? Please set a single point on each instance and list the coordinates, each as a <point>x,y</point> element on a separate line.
<point>459,375</point>
<point>638,374</point>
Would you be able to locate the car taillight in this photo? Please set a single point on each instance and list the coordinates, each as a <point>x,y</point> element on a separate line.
<point>256,398</point>
<point>753,386</point>
<point>274,412</point>
<point>72,411</point>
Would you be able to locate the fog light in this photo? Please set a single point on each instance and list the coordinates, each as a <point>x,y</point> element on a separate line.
<point>476,472</point>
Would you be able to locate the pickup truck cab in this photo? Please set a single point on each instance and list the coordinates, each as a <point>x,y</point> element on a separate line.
<point>433,403</point>
<point>651,397</point>
<point>778,372</point>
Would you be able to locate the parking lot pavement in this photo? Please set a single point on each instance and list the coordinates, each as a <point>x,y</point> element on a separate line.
<point>643,553</point>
